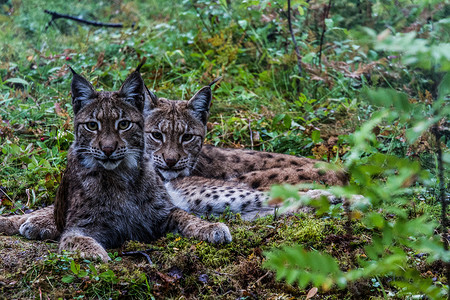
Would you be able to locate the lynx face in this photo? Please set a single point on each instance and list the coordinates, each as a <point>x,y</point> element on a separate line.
<point>108,125</point>
<point>174,132</point>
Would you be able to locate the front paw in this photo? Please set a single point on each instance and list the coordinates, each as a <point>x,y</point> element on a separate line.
<point>86,246</point>
<point>218,233</point>
<point>39,228</point>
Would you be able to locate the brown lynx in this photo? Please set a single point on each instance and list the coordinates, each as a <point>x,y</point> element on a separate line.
<point>175,131</point>
<point>201,178</point>
<point>110,192</point>
<point>209,180</point>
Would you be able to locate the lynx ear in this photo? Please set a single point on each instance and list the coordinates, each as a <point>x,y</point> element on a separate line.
<point>200,103</point>
<point>82,92</point>
<point>151,100</point>
<point>133,90</point>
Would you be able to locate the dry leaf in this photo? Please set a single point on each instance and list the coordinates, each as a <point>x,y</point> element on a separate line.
<point>275,201</point>
<point>312,292</point>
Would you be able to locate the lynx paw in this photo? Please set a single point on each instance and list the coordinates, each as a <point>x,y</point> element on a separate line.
<point>315,194</point>
<point>39,228</point>
<point>10,225</point>
<point>218,233</point>
<point>86,246</point>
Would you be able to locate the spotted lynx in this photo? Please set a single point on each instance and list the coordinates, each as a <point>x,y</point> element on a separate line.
<point>175,131</point>
<point>209,180</point>
<point>110,192</point>
<point>201,179</point>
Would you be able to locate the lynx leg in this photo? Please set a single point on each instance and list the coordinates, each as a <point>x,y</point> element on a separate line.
<point>36,225</point>
<point>74,240</point>
<point>40,225</point>
<point>192,226</point>
<point>10,225</point>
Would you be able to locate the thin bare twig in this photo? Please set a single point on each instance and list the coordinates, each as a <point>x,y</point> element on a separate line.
<point>4,193</point>
<point>134,253</point>
<point>297,51</point>
<point>324,29</point>
<point>251,132</point>
<point>56,16</point>
<point>262,277</point>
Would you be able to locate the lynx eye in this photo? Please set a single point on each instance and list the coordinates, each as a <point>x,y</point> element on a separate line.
<point>187,137</point>
<point>124,124</point>
<point>92,126</point>
<point>157,135</point>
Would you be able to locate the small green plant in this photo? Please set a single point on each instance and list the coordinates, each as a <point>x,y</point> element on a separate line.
<point>387,182</point>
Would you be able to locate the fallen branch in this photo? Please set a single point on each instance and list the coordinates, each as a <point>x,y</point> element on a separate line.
<point>56,16</point>
<point>297,51</point>
<point>135,253</point>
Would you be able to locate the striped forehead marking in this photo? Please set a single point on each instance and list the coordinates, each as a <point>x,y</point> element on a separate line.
<point>172,126</point>
<point>107,113</point>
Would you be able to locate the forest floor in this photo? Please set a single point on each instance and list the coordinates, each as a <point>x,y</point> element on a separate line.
<point>181,267</point>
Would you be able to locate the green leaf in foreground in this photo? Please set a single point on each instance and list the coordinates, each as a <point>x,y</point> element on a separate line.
<point>295,264</point>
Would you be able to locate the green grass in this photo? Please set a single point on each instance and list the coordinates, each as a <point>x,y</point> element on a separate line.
<point>263,102</point>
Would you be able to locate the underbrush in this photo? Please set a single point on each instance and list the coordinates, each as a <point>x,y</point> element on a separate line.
<point>372,96</point>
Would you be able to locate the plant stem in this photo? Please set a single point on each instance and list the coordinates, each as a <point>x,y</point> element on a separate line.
<point>324,29</point>
<point>297,51</point>
<point>444,221</point>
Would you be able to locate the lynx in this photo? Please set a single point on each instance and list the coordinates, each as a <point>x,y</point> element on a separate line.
<point>110,192</point>
<point>209,180</point>
<point>175,131</point>
<point>201,179</point>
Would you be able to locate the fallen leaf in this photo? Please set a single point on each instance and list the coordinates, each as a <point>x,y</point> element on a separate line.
<point>312,292</point>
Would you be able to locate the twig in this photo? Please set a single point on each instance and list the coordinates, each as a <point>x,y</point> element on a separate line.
<point>262,277</point>
<point>324,28</point>
<point>4,193</point>
<point>134,253</point>
<point>56,16</point>
<point>297,51</point>
<point>251,132</point>
<point>444,221</point>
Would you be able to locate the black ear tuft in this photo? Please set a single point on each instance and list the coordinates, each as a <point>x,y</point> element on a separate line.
<point>82,92</point>
<point>138,68</point>
<point>215,81</point>
<point>133,90</point>
<point>200,103</point>
<point>151,100</point>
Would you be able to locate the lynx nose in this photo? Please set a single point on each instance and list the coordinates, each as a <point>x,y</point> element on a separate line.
<point>108,149</point>
<point>170,162</point>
